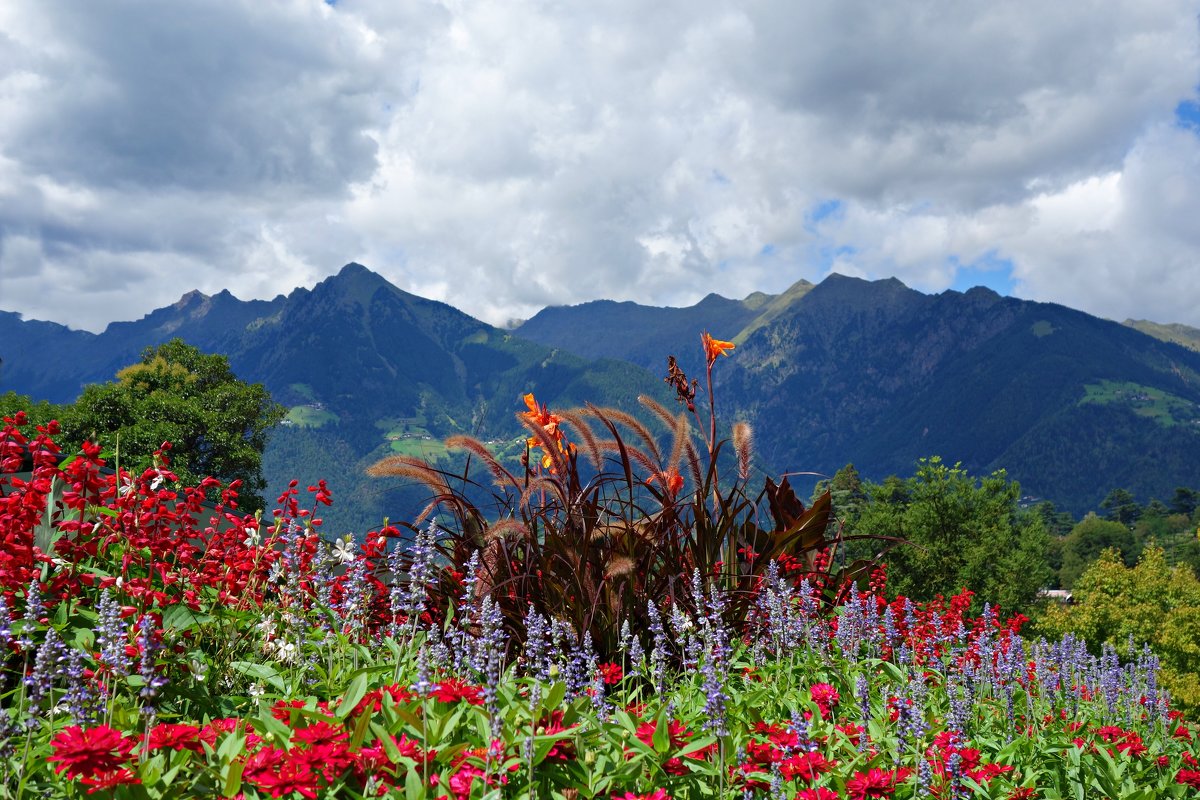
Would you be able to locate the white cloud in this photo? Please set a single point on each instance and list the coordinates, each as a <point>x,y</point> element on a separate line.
<point>507,155</point>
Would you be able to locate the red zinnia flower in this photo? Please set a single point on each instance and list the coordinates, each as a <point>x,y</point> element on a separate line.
<point>90,752</point>
<point>657,794</point>
<point>820,793</point>
<point>452,690</point>
<point>110,780</point>
<point>873,783</point>
<point>805,766</point>
<point>293,776</point>
<point>320,733</point>
<point>1189,776</point>
<point>611,673</point>
<point>825,696</point>
<point>175,737</point>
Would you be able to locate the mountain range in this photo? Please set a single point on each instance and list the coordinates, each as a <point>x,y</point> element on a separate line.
<point>846,370</point>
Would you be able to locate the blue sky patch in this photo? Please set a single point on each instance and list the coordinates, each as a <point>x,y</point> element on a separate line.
<point>825,209</point>
<point>1187,115</point>
<point>990,271</point>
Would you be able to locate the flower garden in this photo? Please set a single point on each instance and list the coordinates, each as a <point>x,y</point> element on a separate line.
<point>623,621</point>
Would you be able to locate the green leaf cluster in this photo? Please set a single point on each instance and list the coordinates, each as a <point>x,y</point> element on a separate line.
<point>959,531</point>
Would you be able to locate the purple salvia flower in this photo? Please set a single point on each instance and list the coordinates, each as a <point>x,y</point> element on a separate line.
<point>561,633</point>
<point>81,699</point>
<point>423,552</point>
<point>862,690</point>
<point>1110,680</point>
<point>596,682</point>
<point>777,792</point>
<point>631,645</point>
<point>1149,665</point>
<point>323,580</point>
<point>423,686</point>
<point>112,636</point>
<point>439,653</point>
<point>40,680</point>
<point>492,635</point>
<point>658,651</point>
<point>924,777</point>
<point>890,633</point>
<point>6,637</point>
<point>575,671</point>
<point>799,727</point>
<point>960,710</point>
<point>152,682</point>
<point>537,662</point>
<point>396,593</point>
<point>954,768</point>
<point>8,735</point>
<point>869,627</point>
<point>849,621</point>
<point>354,606</point>
<point>34,611</point>
<point>636,654</point>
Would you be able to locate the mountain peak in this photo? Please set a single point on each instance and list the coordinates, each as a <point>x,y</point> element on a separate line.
<point>353,283</point>
<point>354,269</point>
<point>190,299</point>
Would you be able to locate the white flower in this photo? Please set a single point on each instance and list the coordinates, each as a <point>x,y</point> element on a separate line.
<point>252,538</point>
<point>257,690</point>
<point>343,549</point>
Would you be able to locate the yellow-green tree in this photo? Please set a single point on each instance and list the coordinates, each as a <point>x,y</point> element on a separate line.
<point>1155,604</point>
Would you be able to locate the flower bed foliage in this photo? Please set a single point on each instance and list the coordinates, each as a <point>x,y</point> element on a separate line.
<point>158,644</point>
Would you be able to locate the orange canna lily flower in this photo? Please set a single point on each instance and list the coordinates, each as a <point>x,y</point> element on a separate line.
<point>671,481</point>
<point>541,415</point>
<point>714,347</point>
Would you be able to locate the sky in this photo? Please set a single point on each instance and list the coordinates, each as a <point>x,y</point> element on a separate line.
<point>507,155</point>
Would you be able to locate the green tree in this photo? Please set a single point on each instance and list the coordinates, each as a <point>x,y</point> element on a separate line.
<point>1087,540</point>
<point>1185,501</point>
<point>1121,506</point>
<point>963,532</point>
<point>217,425</point>
<point>1056,523</point>
<point>38,413</point>
<point>846,491</point>
<point>1150,602</point>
